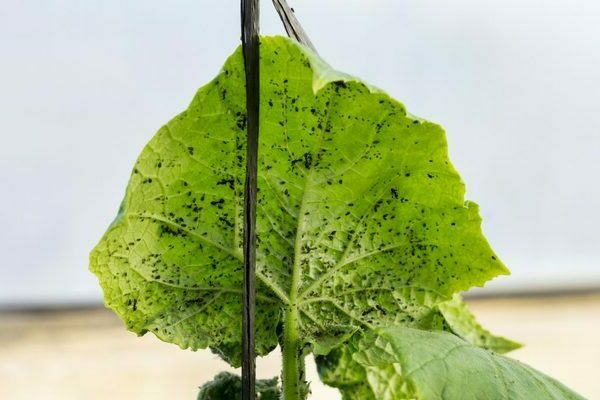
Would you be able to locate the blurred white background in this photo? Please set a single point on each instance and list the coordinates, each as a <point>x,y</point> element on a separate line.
<point>84,85</point>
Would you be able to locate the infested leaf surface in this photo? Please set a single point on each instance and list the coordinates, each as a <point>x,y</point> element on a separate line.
<point>361,218</point>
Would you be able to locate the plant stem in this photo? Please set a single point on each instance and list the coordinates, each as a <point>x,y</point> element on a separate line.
<point>294,387</point>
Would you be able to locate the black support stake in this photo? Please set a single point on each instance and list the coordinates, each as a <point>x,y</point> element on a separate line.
<point>250,45</point>
<point>291,24</point>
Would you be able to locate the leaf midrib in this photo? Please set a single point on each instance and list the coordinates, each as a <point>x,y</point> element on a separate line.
<point>296,269</point>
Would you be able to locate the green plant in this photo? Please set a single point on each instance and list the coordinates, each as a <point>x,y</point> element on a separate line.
<point>229,386</point>
<point>363,236</point>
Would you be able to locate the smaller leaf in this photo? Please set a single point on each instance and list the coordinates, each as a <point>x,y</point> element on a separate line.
<point>228,386</point>
<point>337,369</point>
<point>462,323</point>
<point>439,365</point>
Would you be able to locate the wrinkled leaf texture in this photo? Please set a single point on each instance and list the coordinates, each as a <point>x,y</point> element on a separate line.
<point>362,221</point>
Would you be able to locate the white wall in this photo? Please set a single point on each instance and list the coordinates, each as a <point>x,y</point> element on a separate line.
<point>83,85</point>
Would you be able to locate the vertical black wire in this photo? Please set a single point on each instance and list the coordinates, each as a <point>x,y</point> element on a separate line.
<point>250,45</point>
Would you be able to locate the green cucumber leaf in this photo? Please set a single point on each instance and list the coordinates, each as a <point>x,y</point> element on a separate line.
<point>440,365</point>
<point>463,323</point>
<point>362,220</point>
<point>228,386</point>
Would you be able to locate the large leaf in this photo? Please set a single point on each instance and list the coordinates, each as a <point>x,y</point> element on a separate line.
<point>441,366</point>
<point>361,217</point>
<point>228,386</point>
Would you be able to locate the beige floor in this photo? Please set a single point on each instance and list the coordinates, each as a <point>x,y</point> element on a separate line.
<point>87,354</point>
